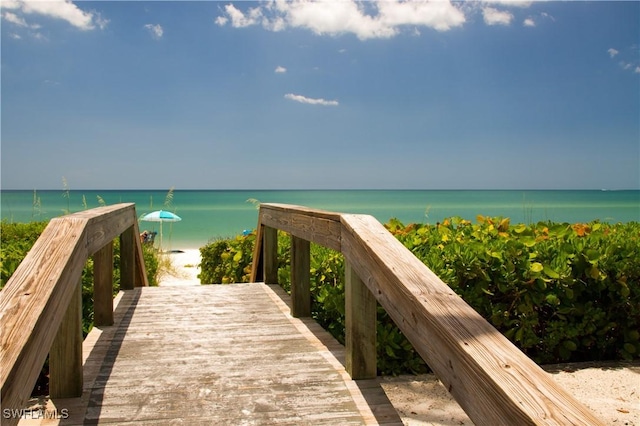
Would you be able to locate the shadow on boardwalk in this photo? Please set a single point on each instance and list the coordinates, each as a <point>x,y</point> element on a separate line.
<point>218,355</point>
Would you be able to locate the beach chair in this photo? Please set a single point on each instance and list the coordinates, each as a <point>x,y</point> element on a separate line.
<point>147,237</point>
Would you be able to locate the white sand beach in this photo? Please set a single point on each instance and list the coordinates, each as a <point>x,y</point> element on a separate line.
<point>185,268</point>
<point>610,390</point>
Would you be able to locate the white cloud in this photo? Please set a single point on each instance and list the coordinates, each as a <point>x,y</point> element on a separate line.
<point>624,60</point>
<point>529,22</point>
<point>239,19</point>
<point>496,17</point>
<point>14,19</point>
<point>439,15</point>
<point>546,15</point>
<point>515,3</point>
<point>366,20</point>
<point>56,9</point>
<point>155,30</point>
<point>280,70</point>
<point>221,20</point>
<point>311,101</point>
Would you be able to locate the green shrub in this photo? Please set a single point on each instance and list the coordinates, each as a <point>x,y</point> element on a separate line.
<point>227,261</point>
<point>16,239</point>
<point>560,292</point>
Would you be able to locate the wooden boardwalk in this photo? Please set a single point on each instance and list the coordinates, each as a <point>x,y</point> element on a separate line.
<point>217,355</point>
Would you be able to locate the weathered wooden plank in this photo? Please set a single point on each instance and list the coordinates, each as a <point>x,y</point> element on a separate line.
<point>257,266</point>
<point>262,372</point>
<point>141,279</point>
<point>128,259</point>
<point>490,378</point>
<point>106,223</point>
<point>65,356</point>
<point>33,303</point>
<point>360,327</point>
<point>103,285</point>
<point>300,279</point>
<point>270,254</point>
<point>367,394</point>
<point>317,226</point>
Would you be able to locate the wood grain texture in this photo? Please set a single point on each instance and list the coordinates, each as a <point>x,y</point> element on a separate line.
<point>270,254</point>
<point>317,226</point>
<point>257,266</point>
<point>204,355</point>
<point>36,297</point>
<point>103,285</point>
<point>490,378</point>
<point>300,279</point>
<point>360,327</point>
<point>65,356</point>
<point>128,258</point>
<point>33,303</point>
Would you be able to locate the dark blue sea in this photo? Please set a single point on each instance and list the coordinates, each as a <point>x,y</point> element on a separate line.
<point>207,215</point>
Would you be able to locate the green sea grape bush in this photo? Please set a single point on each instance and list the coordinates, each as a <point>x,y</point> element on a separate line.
<point>560,292</point>
<point>226,261</point>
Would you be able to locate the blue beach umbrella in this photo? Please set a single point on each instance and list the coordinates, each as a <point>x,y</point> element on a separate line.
<point>161,216</point>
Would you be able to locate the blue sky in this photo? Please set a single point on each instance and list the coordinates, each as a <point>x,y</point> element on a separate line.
<point>333,94</point>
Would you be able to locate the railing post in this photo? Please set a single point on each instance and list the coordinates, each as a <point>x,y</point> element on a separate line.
<point>127,259</point>
<point>270,253</point>
<point>103,285</point>
<point>65,355</point>
<point>300,282</point>
<point>360,327</point>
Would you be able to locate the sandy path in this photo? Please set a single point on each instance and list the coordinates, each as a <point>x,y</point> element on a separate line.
<point>185,268</point>
<point>610,390</point>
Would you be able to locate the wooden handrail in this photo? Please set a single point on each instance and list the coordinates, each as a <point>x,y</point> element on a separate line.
<point>39,306</point>
<point>492,380</point>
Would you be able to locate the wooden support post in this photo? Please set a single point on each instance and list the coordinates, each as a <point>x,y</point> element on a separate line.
<point>103,285</point>
<point>127,259</point>
<point>300,282</point>
<point>141,279</point>
<point>270,253</point>
<point>65,355</point>
<point>360,327</point>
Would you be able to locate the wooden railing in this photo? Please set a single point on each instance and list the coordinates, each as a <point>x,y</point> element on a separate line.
<point>492,380</point>
<point>41,304</point>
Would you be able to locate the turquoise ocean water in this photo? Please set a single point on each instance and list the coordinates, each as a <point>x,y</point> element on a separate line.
<point>207,215</point>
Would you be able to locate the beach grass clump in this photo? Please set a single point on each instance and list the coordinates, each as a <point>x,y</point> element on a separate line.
<point>561,292</point>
